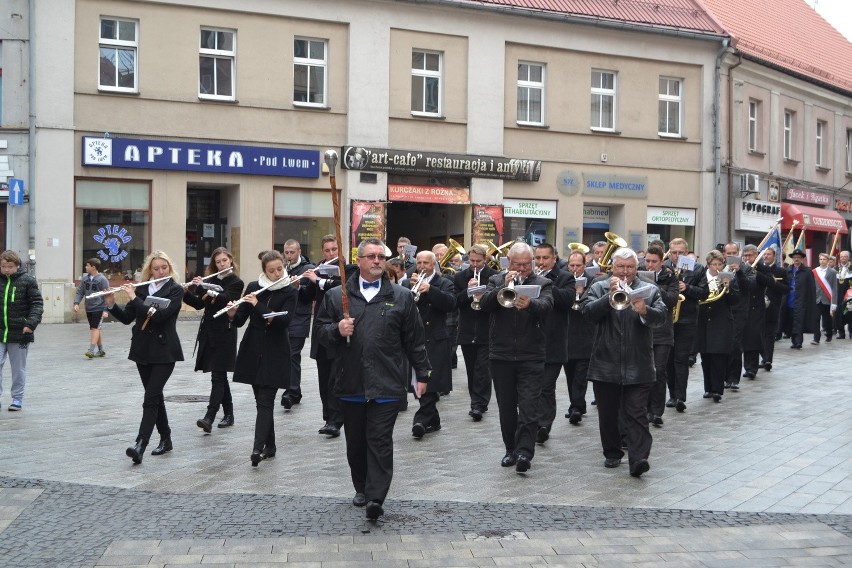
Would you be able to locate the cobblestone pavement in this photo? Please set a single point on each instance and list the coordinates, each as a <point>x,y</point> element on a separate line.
<point>762,479</point>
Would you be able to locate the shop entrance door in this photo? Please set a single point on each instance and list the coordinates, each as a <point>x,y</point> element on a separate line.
<point>204,226</point>
<point>426,224</point>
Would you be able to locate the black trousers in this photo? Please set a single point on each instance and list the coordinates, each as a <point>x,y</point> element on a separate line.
<point>264,424</point>
<point>331,413</point>
<point>576,373</point>
<point>735,365</point>
<point>369,445</point>
<point>827,322</point>
<point>154,378</point>
<point>547,404</point>
<point>630,403</point>
<point>220,395</point>
<point>478,375</point>
<point>657,396</point>
<point>715,368</point>
<point>517,385</point>
<point>427,414</point>
<point>296,345</point>
<point>684,337</point>
<point>751,361</point>
<point>770,332</point>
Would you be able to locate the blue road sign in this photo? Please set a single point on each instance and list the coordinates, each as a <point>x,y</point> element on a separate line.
<point>16,191</point>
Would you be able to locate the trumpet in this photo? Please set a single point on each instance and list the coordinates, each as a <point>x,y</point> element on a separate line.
<point>474,305</point>
<point>619,298</point>
<point>256,292</point>
<point>417,289</point>
<point>118,288</point>
<point>507,296</point>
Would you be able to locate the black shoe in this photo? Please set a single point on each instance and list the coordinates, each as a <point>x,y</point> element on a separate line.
<point>828,339</point>
<point>540,437</point>
<point>256,458</point>
<point>796,346</point>
<point>374,510</point>
<point>680,406</point>
<point>523,464</point>
<point>333,431</point>
<point>576,417</point>
<point>164,446</point>
<point>205,424</point>
<point>707,395</point>
<point>642,466</point>
<point>359,500</point>
<point>286,401</point>
<point>508,460</point>
<point>767,365</point>
<point>749,375</point>
<point>226,421</point>
<point>594,403</point>
<point>325,429</point>
<point>815,342</point>
<point>670,403</point>
<point>612,462</point>
<point>137,451</point>
<point>716,397</point>
<point>476,414</point>
<point>691,360</point>
<point>735,387</point>
<point>656,420</point>
<point>418,430</point>
<point>267,453</point>
<point>727,385</point>
<point>432,428</point>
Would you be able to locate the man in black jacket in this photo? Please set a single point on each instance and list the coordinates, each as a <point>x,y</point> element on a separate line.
<point>300,322</point>
<point>517,353</point>
<point>800,311</point>
<point>473,330</point>
<point>753,340</point>
<point>622,363</point>
<point>776,292</point>
<point>435,298</point>
<point>579,342</point>
<point>746,281</point>
<point>370,362</point>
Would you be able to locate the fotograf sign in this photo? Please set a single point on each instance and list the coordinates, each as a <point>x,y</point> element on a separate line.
<point>753,215</point>
<point>200,157</point>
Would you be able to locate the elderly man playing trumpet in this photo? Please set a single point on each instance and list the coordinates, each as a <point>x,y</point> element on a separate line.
<point>623,310</point>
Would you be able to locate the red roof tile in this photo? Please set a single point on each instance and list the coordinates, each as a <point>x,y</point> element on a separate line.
<point>788,34</point>
<point>678,14</point>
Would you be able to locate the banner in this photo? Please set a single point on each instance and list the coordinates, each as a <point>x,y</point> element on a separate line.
<point>368,222</point>
<point>428,194</point>
<point>487,224</point>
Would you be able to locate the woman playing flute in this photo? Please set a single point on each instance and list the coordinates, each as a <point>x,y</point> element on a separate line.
<point>154,347</point>
<point>217,337</point>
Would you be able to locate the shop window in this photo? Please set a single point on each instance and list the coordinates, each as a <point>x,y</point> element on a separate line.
<point>306,216</point>
<point>309,71</point>
<point>112,221</point>
<point>117,61</point>
<point>670,103</point>
<point>531,93</point>
<point>426,83</point>
<point>217,62</point>
<point>603,100</point>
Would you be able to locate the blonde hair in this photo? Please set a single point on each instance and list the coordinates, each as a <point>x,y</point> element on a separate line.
<point>146,269</point>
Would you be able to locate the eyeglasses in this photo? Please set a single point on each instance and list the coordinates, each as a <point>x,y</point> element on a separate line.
<point>374,256</point>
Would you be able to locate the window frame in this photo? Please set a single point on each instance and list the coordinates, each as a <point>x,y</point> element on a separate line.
<point>310,63</point>
<point>848,151</point>
<point>428,74</point>
<point>789,117</point>
<point>819,143</point>
<point>529,85</point>
<point>753,112</point>
<point>118,44</point>
<point>217,54</point>
<point>671,99</point>
<point>602,92</point>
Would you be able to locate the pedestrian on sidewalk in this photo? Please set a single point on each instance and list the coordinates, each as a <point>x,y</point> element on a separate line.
<point>20,313</point>
<point>217,337</point>
<point>155,346</point>
<point>93,281</point>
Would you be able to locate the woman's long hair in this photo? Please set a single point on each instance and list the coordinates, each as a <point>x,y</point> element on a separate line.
<point>211,267</point>
<point>146,269</point>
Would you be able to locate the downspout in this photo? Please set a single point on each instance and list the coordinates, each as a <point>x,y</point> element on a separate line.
<point>717,138</point>
<point>31,142</point>
<point>730,129</point>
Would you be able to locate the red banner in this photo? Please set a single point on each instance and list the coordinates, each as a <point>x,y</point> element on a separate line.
<point>429,194</point>
<point>487,224</point>
<point>368,222</point>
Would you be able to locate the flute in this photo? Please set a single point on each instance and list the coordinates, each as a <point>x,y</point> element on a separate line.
<point>256,292</point>
<point>114,290</point>
<point>225,271</point>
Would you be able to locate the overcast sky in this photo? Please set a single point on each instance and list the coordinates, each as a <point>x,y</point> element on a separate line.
<point>838,13</point>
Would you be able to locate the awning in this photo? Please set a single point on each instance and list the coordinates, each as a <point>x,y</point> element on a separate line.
<point>812,219</point>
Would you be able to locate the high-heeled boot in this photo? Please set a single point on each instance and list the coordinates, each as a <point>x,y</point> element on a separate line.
<point>164,446</point>
<point>136,452</point>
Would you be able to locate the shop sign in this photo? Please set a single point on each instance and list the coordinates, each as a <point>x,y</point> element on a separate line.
<point>568,183</point>
<point>614,185</point>
<point>671,216</point>
<point>595,217</point>
<point>529,208</point>
<point>754,215</point>
<point>368,222</point>
<point>807,196</point>
<point>112,238</point>
<point>843,206</point>
<point>428,194</point>
<point>487,224</point>
<point>200,157</point>
<point>412,162</point>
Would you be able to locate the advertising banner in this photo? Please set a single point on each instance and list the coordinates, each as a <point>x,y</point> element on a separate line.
<point>368,222</point>
<point>429,194</point>
<point>487,224</point>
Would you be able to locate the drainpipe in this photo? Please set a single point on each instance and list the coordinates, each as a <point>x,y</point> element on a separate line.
<point>31,143</point>
<point>730,129</point>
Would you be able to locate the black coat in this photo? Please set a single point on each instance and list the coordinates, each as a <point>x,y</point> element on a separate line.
<point>695,291</point>
<point>434,307</point>
<point>556,322</point>
<point>388,334</point>
<point>318,294</point>
<point>22,306</point>
<point>217,337</point>
<point>805,317</point>
<point>580,330</point>
<point>622,352</point>
<point>776,292</point>
<point>264,355</point>
<point>517,335</point>
<point>714,331</point>
<point>739,303</point>
<point>158,342</point>
<point>473,324</point>
<point>668,286</point>
<point>300,322</point>
<point>756,322</point>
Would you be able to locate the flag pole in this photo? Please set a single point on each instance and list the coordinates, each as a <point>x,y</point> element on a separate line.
<point>331,162</point>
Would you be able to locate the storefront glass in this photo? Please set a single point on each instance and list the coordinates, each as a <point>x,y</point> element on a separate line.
<point>667,223</point>
<point>306,216</point>
<point>531,221</point>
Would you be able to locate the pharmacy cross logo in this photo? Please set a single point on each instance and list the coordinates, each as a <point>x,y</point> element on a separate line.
<point>98,151</point>
<point>112,237</point>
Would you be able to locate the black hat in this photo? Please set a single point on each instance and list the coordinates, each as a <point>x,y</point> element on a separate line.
<point>798,252</point>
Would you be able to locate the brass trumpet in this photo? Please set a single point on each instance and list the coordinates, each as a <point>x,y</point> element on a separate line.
<point>507,296</point>
<point>417,286</point>
<point>474,305</point>
<point>619,298</point>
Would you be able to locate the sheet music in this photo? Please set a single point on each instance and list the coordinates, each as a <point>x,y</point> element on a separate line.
<point>531,291</point>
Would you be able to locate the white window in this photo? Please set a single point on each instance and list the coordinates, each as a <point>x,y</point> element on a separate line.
<point>117,60</point>
<point>670,103</point>
<point>848,151</point>
<point>426,82</point>
<point>603,100</point>
<point>788,134</point>
<point>820,143</point>
<point>531,93</point>
<point>753,114</point>
<point>217,62</point>
<point>310,61</point>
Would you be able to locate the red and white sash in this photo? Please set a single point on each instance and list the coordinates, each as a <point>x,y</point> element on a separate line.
<point>820,278</point>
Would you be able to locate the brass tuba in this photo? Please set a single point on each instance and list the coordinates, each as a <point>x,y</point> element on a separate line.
<point>578,247</point>
<point>453,248</point>
<point>614,242</point>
